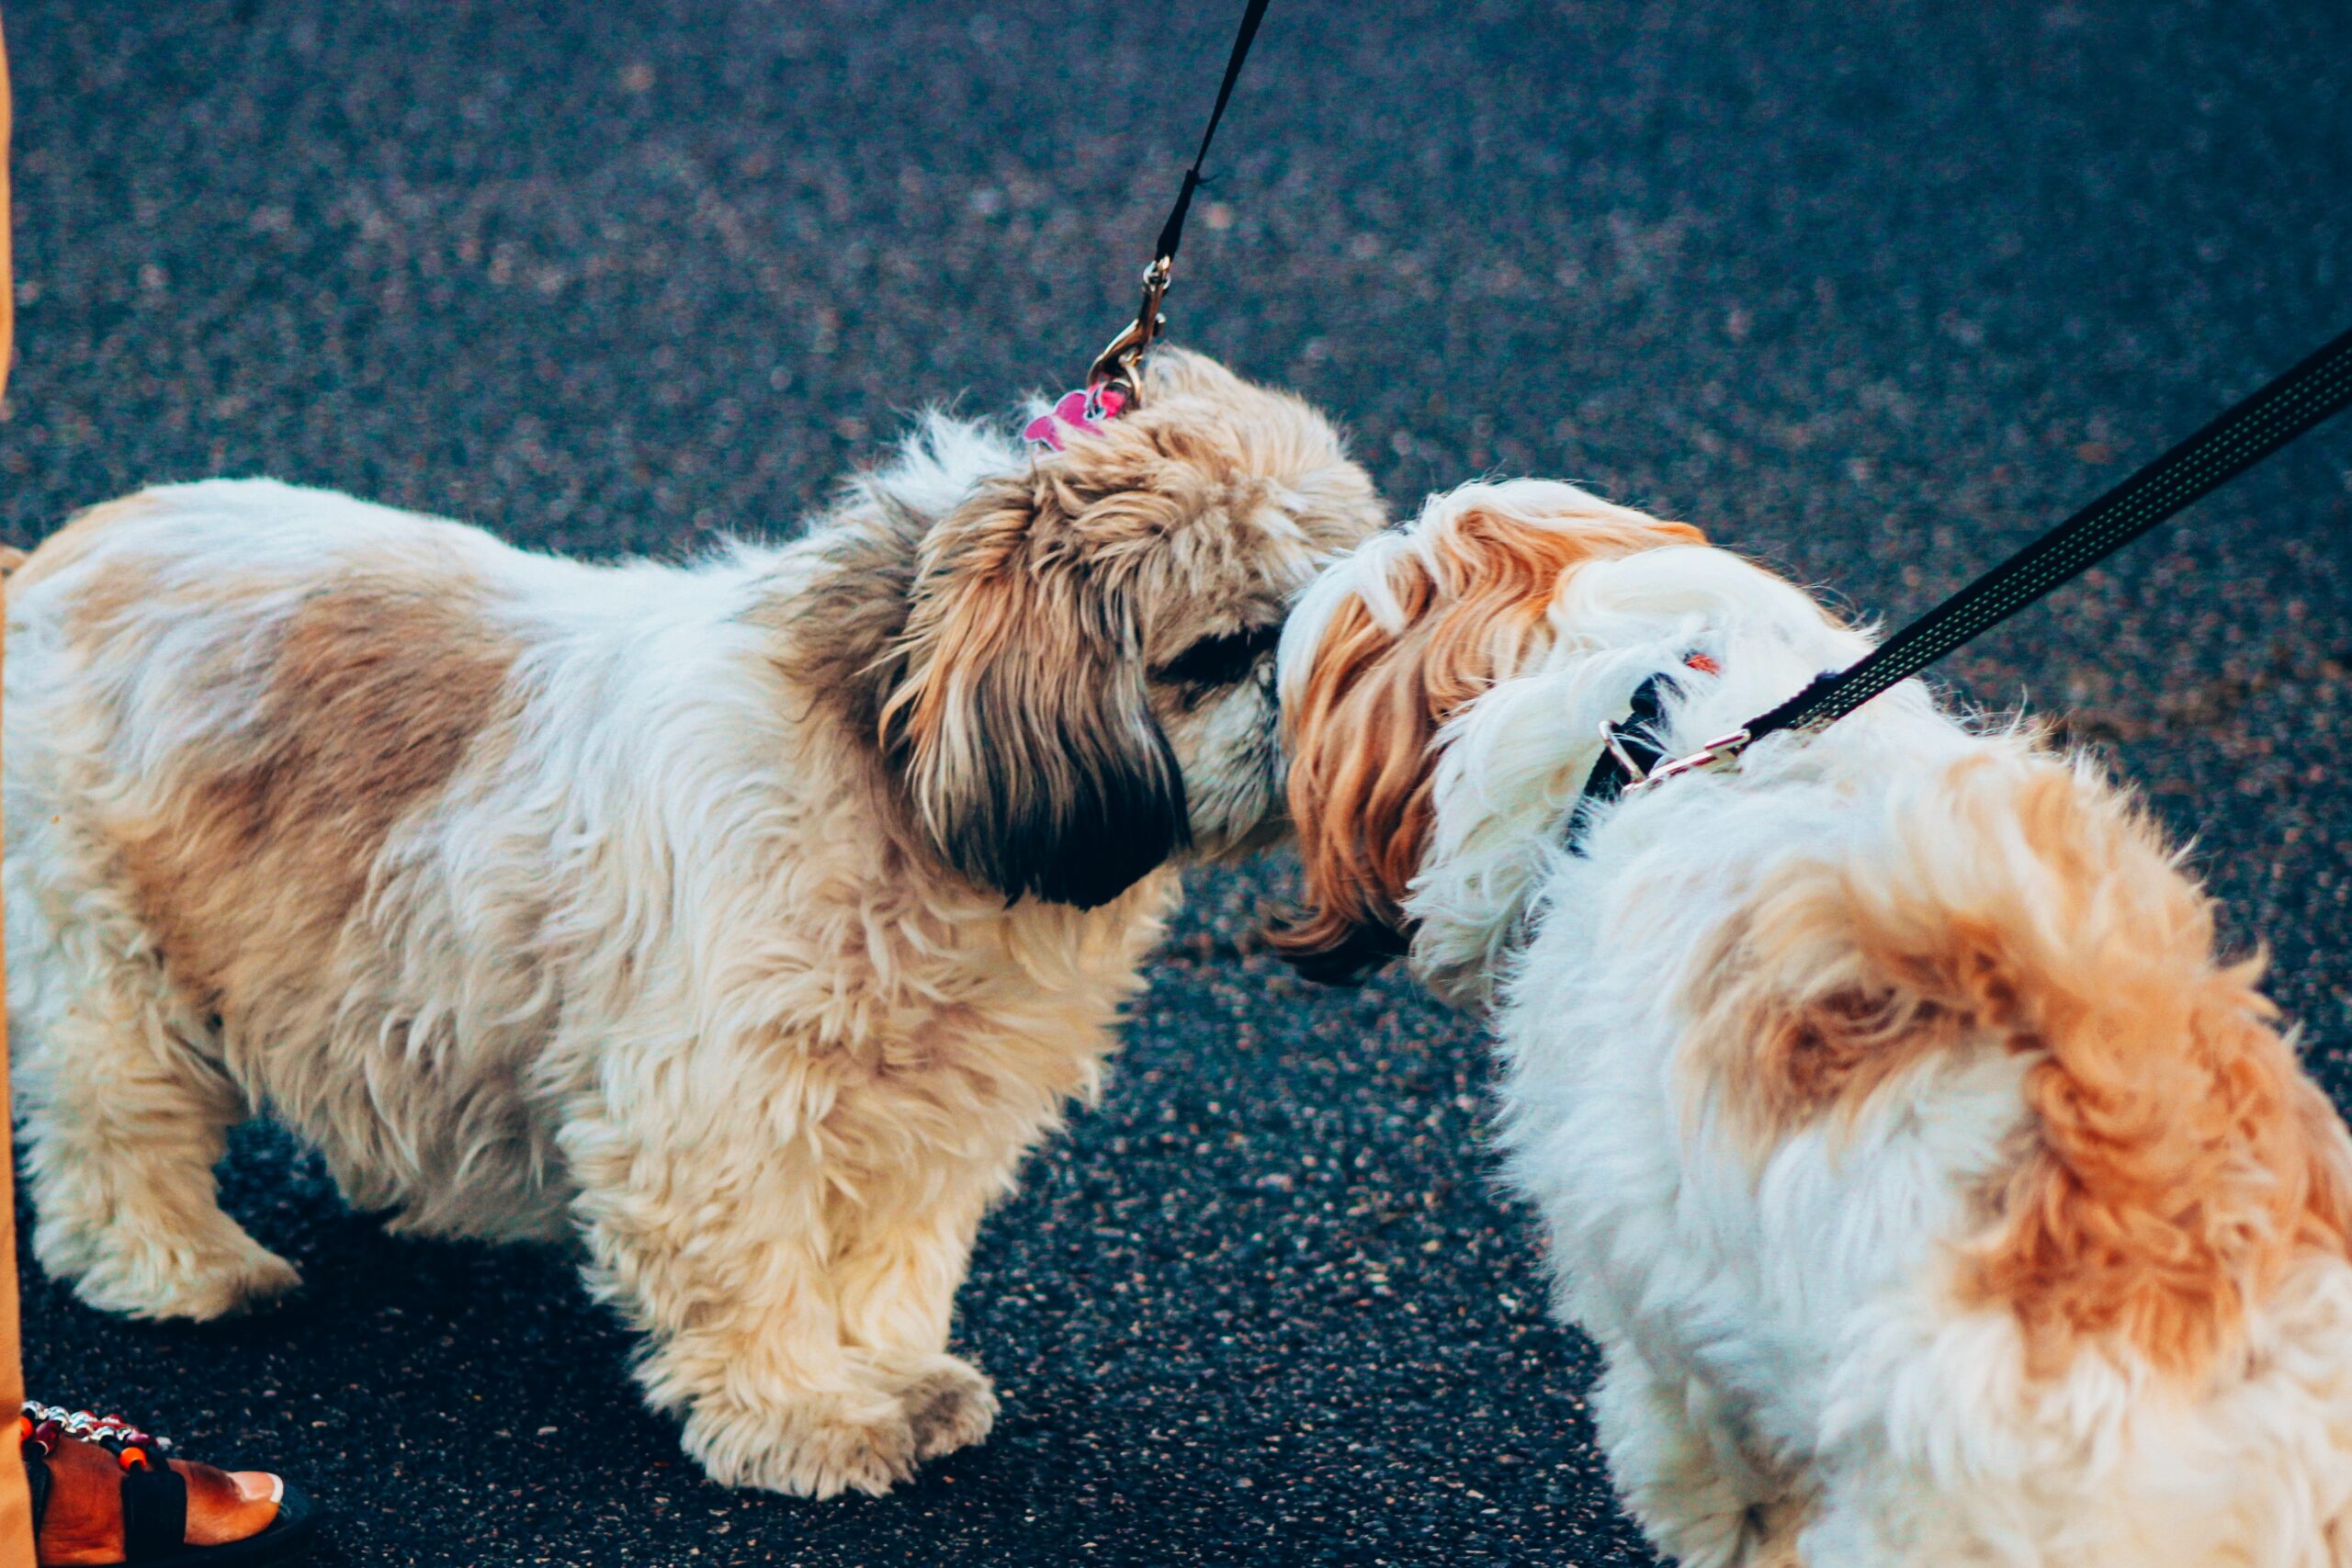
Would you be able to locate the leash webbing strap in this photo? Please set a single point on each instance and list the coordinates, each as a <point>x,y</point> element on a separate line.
<point>1171,233</point>
<point>1115,365</point>
<point>2308,395</point>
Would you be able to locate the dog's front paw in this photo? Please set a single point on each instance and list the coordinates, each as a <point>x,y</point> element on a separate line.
<point>160,1280</point>
<point>949,1403</point>
<point>811,1446</point>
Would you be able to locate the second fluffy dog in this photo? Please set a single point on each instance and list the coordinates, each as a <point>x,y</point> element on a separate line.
<point>750,920</point>
<point>1936,1193</point>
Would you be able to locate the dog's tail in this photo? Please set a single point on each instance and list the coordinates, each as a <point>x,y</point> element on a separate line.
<point>2014,902</point>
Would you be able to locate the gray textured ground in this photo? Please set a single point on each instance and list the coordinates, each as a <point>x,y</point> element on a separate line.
<point>1872,289</point>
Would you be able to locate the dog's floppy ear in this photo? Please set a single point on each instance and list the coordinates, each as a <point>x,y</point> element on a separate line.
<point>1357,736</point>
<point>1362,721</point>
<point>1020,723</point>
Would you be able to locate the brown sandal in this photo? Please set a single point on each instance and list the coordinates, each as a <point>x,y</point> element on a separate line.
<point>74,1453</point>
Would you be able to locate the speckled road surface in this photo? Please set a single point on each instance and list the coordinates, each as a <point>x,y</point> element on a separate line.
<point>1873,290</point>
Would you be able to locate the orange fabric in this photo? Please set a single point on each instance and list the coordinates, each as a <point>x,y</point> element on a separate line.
<point>16,1500</point>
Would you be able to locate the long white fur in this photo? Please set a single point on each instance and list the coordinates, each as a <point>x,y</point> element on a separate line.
<point>1789,1378</point>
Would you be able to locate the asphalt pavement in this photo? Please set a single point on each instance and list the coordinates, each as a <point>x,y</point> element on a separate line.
<point>1874,291</point>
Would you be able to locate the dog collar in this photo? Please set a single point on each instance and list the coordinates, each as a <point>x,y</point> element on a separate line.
<point>1631,748</point>
<point>1084,411</point>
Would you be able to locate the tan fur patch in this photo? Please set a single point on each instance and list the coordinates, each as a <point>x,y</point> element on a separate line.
<point>2185,1160</point>
<point>2184,1164</point>
<point>2180,1160</point>
<point>379,690</point>
<point>80,534</point>
<point>1779,1528</point>
<point>1777,1056</point>
<point>1360,733</point>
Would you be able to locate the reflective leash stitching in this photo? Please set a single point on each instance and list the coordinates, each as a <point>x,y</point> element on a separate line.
<point>2310,394</point>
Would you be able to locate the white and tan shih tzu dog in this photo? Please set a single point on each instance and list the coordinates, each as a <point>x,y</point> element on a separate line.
<point>750,920</point>
<point>1936,1192</point>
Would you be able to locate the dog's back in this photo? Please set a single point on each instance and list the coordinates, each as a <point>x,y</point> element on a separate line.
<point>1914,1157</point>
<point>228,702</point>
<point>1936,1194</point>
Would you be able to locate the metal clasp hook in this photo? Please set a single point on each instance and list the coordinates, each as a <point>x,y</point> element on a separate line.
<point>1720,752</point>
<point>1115,365</point>
<point>1635,774</point>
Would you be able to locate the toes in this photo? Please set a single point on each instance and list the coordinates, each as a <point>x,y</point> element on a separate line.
<point>156,1283</point>
<point>950,1406</point>
<point>819,1447</point>
<point>870,1459</point>
<point>224,1507</point>
<point>868,1441</point>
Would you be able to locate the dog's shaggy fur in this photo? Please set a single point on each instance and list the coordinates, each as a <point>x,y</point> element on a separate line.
<point>751,919</point>
<point>1935,1192</point>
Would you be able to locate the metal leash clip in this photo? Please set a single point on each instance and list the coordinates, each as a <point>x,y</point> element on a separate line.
<point>1719,753</point>
<point>1115,365</point>
<point>1635,774</point>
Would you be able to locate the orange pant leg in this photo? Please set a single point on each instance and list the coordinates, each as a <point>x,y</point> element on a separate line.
<point>16,1502</point>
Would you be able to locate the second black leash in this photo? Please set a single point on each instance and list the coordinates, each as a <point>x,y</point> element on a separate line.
<point>1115,365</point>
<point>2310,394</point>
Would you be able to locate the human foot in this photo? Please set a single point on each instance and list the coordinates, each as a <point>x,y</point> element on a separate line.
<point>103,1494</point>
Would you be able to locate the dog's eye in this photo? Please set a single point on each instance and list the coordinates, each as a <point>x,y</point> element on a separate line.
<point>1221,660</point>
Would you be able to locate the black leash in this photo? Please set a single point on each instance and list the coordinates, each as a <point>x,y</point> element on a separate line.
<point>2306,396</point>
<point>2314,390</point>
<point>1171,233</point>
<point>1115,365</point>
